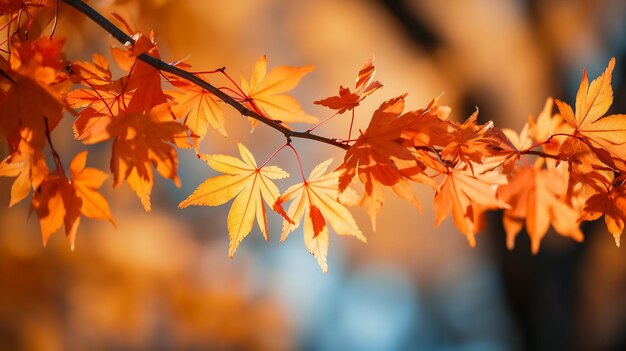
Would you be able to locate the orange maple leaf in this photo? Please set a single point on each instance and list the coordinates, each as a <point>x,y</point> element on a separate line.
<point>431,126</point>
<point>376,154</point>
<point>609,200</point>
<point>265,92</point>
<point>244,181</point>
<point>537,198</point>
<point>547,124</point>
<point>32,75</point>
<point>511,152</point>
<point>467,192</point>
<point>12,7</point>
<point>59,200</point>
<point>31,10</point>
<point>316,200</point>
<point>604,136</point>
<point>104,99</point>
<point>86,181</point>
<point>143,140</point>
<point>28,166</point>
<point>364,86</point>
<point>200,108</point>
<point>143,78</point>
<point>472,143</point>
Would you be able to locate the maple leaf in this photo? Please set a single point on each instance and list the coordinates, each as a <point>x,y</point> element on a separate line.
<point>609,200</point>
<point>537,198</point>
<point>604,136</point>
<point>104,99</point>
<point>376,154</point>
<point>467,193</point>
<point>28,9</point>
<point>56,203</point>
<point>28,166</point>
<point>32,76</point>
<point>143,140</point>
<point>200,108</point>
<point>244,181</point>
<point>364,86</point>
<point>511,152</point>
<point>59,200</point>
<point>86,181</point>
<point>316,199</point>
<point>431,126</point>
<point>547,124</point>
<point>265,92</point>
<point>471,142</point>
<point>14,6</point>
<point>143,78</point>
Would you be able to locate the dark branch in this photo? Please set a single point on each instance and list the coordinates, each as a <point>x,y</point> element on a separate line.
<point>540,153</point>
<point>164,66</point>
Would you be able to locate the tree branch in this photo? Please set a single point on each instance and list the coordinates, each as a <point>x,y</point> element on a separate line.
<point>540,153</point>
<point>164,66</point>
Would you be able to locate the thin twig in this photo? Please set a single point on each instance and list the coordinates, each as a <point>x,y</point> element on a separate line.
<point>55,154</point>
<point>540,153</point>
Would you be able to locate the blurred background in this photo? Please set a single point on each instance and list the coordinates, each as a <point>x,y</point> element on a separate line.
<point>163,280</point>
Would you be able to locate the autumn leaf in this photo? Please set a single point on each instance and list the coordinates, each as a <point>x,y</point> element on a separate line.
<point>609,200</point>
<point>265,92</point>
<point>56,203</point>
<point>364,86</point>
<point>86,182</point>
<point>604,136</point>
<point>375,157</point>
<point>60,200</point>
<point>100,102</point>
<point>32,10</point>
<point>200,108</point>
<point>467,194</point>
<point>537,198</point>
<point>244,181</point>
<point>471,143</point>
<point>542,130</point>
<point>511,152</point>
<point>143,78</point>
<point>28,166</point>
<point>34,90</point>
<point>15,6</point>
<point>431,126</point>
<point>316,200</point>
<point>142,140</point>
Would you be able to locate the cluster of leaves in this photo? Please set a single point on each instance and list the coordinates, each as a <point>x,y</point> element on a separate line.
<point>563,167</point>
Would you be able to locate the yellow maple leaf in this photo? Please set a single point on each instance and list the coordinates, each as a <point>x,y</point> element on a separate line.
<point>265,91</point>
<point>316,200</point>
<point>243,180</point>
<point>200,108</point>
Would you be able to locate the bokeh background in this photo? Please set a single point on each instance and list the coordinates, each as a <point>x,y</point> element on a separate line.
<point>163,280</point>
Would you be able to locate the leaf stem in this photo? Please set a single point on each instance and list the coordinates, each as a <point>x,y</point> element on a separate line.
<point>298,158</point>
<point>56,18</point>
<point>274,154</point>
<point>55,154</point>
